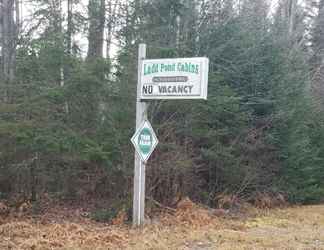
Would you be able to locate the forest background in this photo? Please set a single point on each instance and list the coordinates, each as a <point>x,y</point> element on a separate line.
<point>67,112</point>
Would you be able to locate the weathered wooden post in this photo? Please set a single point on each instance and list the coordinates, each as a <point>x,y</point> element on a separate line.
<point>178,78</point>
<point>139,166</point>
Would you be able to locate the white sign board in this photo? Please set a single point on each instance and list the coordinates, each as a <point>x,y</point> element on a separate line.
<point>179,78</point>
<point>145,140</point>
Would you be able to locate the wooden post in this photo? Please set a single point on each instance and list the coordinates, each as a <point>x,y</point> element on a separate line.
<point>139,168</point>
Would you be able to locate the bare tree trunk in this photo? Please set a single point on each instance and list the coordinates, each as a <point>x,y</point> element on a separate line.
<point>178,22</point>
<point>59,29</point>
<point>292,4</point>
<point>96,9</point>
<point>8,44</point>
<point>33,177</point>
<point>286,20</point>
<point>112,11</point>
<point>7,8</point>
<point>69,27</point>
<point>109,30</point>
<point>18,23</point>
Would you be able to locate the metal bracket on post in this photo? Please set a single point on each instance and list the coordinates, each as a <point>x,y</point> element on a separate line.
<point>139,166</point>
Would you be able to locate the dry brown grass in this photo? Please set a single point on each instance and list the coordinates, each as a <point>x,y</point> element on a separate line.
<point>191,227</point>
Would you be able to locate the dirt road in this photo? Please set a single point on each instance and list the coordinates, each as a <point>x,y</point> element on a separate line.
<point>189,229</point>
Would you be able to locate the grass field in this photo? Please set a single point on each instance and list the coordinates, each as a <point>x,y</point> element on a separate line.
<point>191,228</point>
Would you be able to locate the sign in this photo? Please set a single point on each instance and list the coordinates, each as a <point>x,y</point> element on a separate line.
<point>144,140</point>
<point>180,78</point>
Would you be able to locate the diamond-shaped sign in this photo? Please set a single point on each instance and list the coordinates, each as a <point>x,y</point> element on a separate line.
<point>144,140</point>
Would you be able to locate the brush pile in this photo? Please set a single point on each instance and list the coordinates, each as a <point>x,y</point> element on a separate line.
<point>190,214</point>
<point>49,232</point>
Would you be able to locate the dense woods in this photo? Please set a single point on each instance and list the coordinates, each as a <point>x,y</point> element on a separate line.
<point>67,111</point>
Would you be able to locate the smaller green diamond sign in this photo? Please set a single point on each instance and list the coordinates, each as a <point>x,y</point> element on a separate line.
<point>145,140</point>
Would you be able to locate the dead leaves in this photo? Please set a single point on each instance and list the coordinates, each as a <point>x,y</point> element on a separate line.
<point>4,209</point>
<point>120,219</point>
<point>28,235</point>
<point>189,214</point>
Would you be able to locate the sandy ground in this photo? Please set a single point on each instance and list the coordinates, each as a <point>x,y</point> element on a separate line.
<point>190,228</point>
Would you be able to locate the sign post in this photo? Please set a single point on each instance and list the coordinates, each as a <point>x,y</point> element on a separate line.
<point>178,78</point>
<point>139,166</point>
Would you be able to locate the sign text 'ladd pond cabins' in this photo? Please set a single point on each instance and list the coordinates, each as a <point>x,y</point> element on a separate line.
<point>179,78</point>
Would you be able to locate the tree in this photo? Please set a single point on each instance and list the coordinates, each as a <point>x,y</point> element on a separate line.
<point>9,35</point>
<point>71,115</point>
<point>96,12</point>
